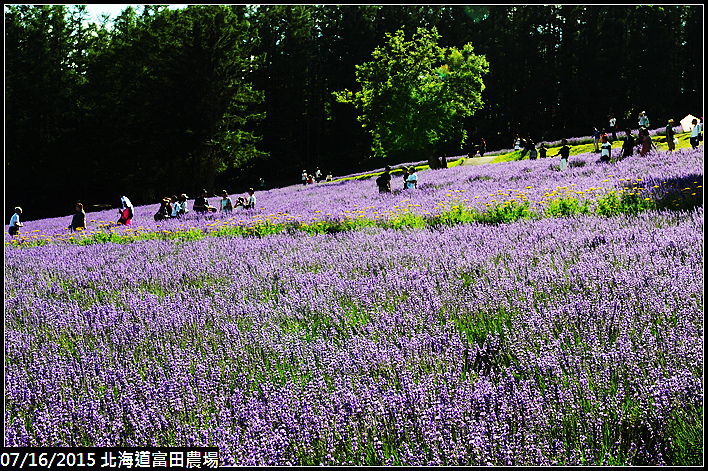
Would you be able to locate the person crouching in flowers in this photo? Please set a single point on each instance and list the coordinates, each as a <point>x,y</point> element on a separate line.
<point>179,206</point>
<point>226,204</point>
<point>15,223</point>
<point>79,219</point>
<point>126,212</point>
<point>412,179</point>
<point>251,201</point>
<point>627,144</point>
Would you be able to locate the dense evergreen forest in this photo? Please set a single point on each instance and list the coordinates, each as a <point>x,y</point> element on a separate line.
<point>159,101</point>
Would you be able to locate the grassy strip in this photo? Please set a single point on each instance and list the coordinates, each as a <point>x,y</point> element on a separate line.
<point>396,171</point>
<point>584,147</point>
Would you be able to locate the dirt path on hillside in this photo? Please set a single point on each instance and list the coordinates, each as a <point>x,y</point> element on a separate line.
<point>479,160</point>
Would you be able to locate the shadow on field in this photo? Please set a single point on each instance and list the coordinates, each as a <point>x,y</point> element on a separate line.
<point>677,193</point>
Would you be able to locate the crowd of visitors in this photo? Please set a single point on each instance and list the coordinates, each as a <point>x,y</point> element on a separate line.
<point>317,177</point>
<point>174,206</point>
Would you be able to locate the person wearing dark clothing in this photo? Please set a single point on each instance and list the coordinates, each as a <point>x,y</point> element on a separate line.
<point>670,135</point>
<point>564,153</point>
<point>627,144</point>
<point>528,147</point>
<point>201,204</point>
<point>79,219</point>
<point>482,147</point>
<point>542,150</point>
<point>405,176</point>
<point>384,181</point>
<point>596,139</point>
<point>165,211</point>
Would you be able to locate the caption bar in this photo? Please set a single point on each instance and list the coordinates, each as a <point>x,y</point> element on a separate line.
<point>113,457</point>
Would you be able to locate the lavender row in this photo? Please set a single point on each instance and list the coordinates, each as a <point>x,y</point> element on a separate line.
<point>467,345</point>
<point>471,185</point>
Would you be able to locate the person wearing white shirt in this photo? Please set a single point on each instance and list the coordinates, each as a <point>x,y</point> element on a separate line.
<point>613,127</point>
<point>695,133</point>
<point>15,223</point>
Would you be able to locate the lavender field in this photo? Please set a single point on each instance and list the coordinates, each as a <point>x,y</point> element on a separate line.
<point>572,335</point>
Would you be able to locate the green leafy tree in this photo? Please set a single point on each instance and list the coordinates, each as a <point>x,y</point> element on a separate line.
<point>416,94</point>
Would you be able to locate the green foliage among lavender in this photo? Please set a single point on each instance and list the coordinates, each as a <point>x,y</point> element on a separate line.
<point>496,315</point>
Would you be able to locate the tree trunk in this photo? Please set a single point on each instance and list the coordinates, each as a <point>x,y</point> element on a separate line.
<point>211,170</point>
<point>433,161</point>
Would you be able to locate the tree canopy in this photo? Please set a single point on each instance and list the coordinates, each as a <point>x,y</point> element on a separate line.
<point>159,101</point>
<point>415,94</point>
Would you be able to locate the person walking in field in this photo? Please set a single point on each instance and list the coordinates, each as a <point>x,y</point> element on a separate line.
<point>542,149</point>
<point>613,126</point>
<point>643,120</point>
<point>517,142</point>
<point>596,139</point>
<point>670,135</point>
<point>647,145</point>
<point>606,149</point>
<point>15,223</point>
<point>564,153</point>
<point>695,133</point>
<point>79,219</point>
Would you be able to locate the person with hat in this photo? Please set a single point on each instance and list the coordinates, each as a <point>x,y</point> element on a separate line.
<point>15,223</point>
<point>670,135</point>
<point>201,204</point>
<point>165,211</point>
<point>643,120</point>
